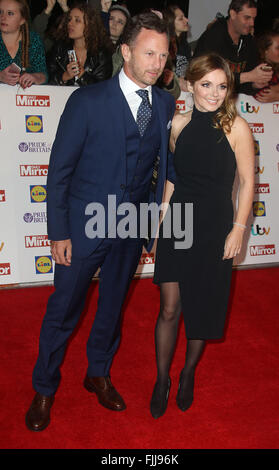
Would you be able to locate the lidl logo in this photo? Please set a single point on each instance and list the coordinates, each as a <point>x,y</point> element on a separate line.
<point>43,264</point>
<point>34,123</point>
<point>259,208</point>
<point>38,193</point>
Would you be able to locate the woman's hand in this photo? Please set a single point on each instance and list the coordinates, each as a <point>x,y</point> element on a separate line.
<point>26,80</point>
<point>50,6</point>
<point>64,5</point>
<point>72,71</point>
<point>105,5</point>
<point>233,242</point>
<point>9,77</point>
<point>268,95</point>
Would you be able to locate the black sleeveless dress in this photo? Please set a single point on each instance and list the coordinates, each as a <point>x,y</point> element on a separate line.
<point>205,168</point>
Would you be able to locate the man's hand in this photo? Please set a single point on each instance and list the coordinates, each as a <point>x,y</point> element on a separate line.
<point>258,76</point>
<point>61,251</point>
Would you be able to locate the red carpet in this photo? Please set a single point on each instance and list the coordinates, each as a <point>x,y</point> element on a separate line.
<point>237,387</point>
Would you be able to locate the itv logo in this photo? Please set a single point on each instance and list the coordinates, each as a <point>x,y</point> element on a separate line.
<point>257,230</point>
<point>248,108</point>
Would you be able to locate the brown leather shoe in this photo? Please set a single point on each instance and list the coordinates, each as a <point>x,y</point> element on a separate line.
<point>105,391</point>
<point>38,416</point>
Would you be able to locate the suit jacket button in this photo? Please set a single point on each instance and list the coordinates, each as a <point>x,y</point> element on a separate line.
<point>122,186</point>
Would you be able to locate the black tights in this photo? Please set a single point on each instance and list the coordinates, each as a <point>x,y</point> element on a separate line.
<point>166,334</point>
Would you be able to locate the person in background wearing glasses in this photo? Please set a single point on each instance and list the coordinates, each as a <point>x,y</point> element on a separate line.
<point>22,55</point>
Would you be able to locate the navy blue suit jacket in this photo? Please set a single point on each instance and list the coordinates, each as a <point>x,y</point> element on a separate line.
<point>88,159</point>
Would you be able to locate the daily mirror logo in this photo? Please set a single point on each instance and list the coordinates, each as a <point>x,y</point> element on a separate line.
<point>36,241</point>
<point>5,269</point>
<point>262,188</point>
<point>262,250</point>
<point>33,100</point>
<point>2,195</point>
<point>256,127</point>
<point>33,170</point>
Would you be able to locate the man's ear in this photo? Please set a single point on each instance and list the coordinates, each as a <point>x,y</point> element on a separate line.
<point>232,14</point>
<point>126,52</point>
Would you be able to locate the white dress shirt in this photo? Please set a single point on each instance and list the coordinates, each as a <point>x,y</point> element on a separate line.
<point>129,89</point>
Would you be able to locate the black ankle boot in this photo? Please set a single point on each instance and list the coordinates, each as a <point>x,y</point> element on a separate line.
<point>159,400</point>
<point>185,394</point>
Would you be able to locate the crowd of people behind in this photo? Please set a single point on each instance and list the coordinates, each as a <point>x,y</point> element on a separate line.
<point>81,45</point>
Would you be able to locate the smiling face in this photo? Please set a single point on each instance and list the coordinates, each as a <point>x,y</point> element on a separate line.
<point>10,16</point>
<point>145,59</point>
<point>210,91</point>
<point>76,24</point>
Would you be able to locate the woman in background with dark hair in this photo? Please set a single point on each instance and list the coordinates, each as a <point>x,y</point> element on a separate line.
<point>22,55</point>
<point>84,33</point>
<point>180,51</point>
<point>209,143</point>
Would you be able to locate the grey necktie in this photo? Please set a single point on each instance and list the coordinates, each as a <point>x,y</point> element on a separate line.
<point>144,111</point>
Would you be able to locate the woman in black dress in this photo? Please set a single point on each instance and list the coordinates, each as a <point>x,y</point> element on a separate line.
<point>209,143</point>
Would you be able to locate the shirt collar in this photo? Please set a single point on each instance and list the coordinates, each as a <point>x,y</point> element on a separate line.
<point>129,87</point>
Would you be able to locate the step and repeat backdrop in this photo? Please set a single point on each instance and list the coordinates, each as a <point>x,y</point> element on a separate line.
<point>28,123</point>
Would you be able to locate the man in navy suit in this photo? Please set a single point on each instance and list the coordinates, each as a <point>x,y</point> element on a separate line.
<point>111,146</point>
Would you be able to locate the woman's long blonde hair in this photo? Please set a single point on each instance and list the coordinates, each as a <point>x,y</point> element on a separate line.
<point>198,68</point>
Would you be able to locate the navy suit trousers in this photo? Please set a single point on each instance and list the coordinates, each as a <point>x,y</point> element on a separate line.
<point>118,260</point>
